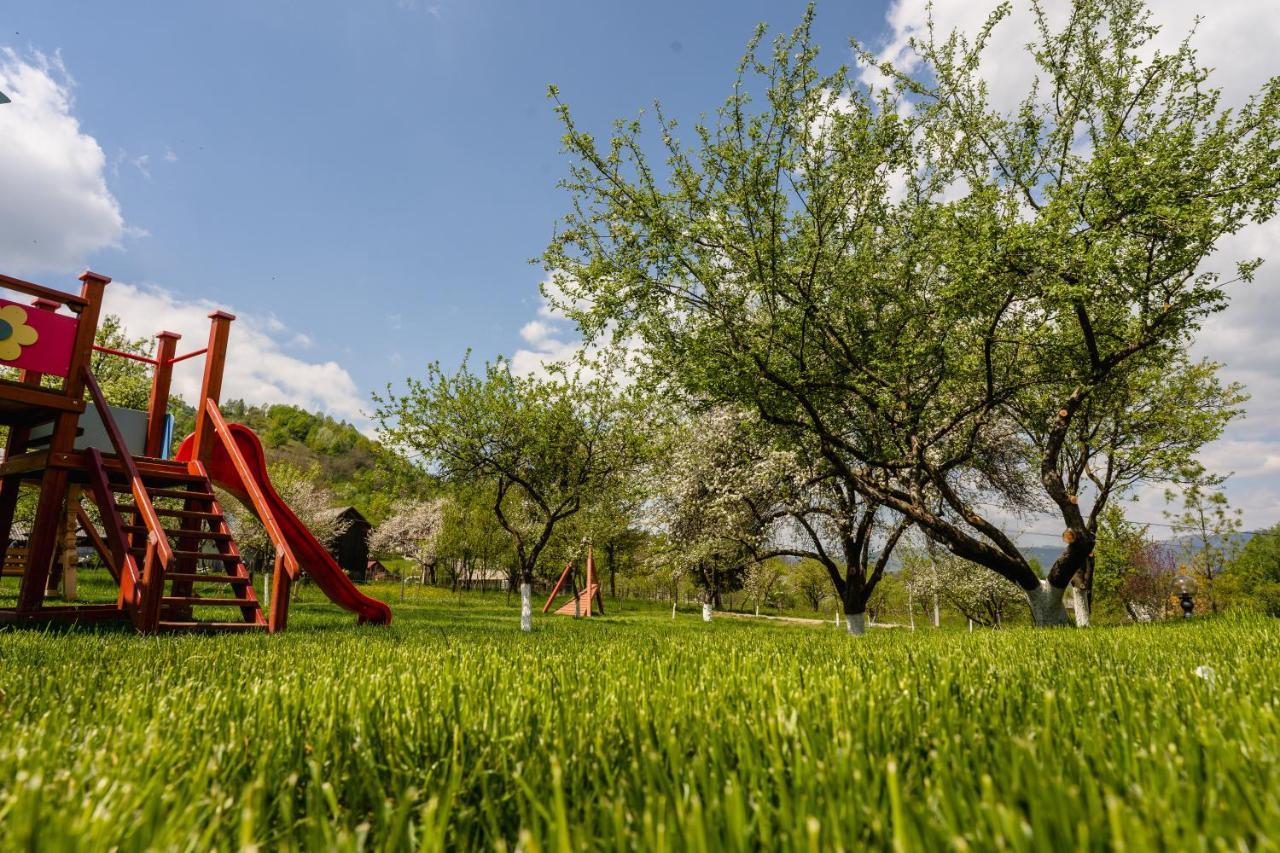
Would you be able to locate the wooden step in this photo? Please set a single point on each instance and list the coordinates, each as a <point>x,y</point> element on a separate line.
<point>195,555</point>
<point>212,626</point>
<point>179,532</point>
<point>170,475</point>
<point>197,601</point>
<point>176,513</point>
<point>184,494</point>
<point>197,577</point>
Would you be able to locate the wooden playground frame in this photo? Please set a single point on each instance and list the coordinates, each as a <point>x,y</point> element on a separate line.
<point>141,554</point>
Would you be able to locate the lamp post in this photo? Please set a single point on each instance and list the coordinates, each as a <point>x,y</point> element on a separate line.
<point>1185,586</point>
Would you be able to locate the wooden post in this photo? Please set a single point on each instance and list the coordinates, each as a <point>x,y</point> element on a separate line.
<point>215,361</point>
<point>64,573</point>
<point>53,485</point>
<point>161,380</point>
<point>278,604</point>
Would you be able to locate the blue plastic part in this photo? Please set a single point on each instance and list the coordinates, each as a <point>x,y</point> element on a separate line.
<point>166,447</point>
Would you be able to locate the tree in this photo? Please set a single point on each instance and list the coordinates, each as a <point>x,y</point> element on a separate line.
<point>468,539</point>
<point>1133,573</point>
<point>1252,579</point>
<point>124,382</point>
<point>411,531</point>
<point>1206,525</point>
<point>1146,429</point>
<point>817,516</point>
<point>705,482</point>
<point>938,577</point>
<point>890,596</point>
<point>933,294</point>
<point>810,579</point>
<point>763,580</point>
<point>540,447</point>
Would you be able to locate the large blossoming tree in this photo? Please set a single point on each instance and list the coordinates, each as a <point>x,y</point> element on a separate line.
<point>933,293</point>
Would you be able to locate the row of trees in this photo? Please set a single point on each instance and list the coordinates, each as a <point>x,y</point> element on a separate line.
<point>848,310</point>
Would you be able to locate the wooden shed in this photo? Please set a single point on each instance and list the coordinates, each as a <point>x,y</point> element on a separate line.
<point>351,547</point>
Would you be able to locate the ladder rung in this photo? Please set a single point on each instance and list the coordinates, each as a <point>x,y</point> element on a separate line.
<point>212,626</point>
<point>196,555</point>
<point>178,533</point>
<point>197,577</point>
<point>195,600</point>
<point>175,513</point>
<point>167,493</point>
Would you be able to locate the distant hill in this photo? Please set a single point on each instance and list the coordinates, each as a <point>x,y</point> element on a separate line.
<point>358,470</point>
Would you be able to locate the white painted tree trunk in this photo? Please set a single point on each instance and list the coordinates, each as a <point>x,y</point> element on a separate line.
<point>706,611</point>
<point>673,608</point>
<point>1047,608</point>
<point>937,612</point>
<point>1080,602</point>
<point>526,607</point>
<point>855,624</point>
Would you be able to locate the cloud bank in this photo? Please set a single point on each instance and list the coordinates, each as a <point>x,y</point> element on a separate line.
<point>57,210</point>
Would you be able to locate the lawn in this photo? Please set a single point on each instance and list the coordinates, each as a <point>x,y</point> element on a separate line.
<point>451,728</point>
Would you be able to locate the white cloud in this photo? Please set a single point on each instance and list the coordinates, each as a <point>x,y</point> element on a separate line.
<point>56,208</point>
<point>258,369</point>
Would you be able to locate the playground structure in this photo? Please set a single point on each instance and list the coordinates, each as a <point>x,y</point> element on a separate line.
<point>71,450</point>
<point>582,602</point>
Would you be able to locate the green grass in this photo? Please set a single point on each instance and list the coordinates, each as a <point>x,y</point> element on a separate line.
<point>451,729</point>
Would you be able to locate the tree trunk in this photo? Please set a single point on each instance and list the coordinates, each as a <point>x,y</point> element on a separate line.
<point>855,624</point>
<point>526,599</point>
<point>1047,609</point>
<point>613,573</point>
<point>853,599</point>
<point>937,611</point>
<point>708,604</point>
<point>1080,601</point>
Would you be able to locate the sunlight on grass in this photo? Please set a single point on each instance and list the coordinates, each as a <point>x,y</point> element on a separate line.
<point>451,728</point>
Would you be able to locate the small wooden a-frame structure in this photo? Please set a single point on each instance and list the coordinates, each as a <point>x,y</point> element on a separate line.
<point>581,604</point>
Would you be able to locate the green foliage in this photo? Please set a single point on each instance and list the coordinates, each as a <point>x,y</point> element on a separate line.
<point>1207,526</point>
<point>449,730</point>
<point>540,448</point>
<point>125,382</point>
<point>1252,579</point>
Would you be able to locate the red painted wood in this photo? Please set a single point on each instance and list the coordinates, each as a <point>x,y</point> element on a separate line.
<point>237,463</point>
<point>568,569</point>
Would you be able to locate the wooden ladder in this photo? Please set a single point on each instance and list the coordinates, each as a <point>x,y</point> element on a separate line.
<point>205,553</point>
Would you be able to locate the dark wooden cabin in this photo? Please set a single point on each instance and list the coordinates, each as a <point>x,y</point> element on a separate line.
<point>351,547</point>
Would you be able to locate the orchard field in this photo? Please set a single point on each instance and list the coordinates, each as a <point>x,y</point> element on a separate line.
<point>453,729</point>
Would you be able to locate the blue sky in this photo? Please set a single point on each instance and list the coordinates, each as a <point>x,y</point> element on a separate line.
<point>376,175</point>
<point>364,182</point>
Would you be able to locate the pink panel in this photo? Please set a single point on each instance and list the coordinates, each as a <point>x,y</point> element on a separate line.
<point>35,339</point>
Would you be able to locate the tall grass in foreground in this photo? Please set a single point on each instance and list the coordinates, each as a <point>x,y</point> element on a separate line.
<point>453,729</point>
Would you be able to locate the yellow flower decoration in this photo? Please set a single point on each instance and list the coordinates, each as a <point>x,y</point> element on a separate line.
<point>14,332</point>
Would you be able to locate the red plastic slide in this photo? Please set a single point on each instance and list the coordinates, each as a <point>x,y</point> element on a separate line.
<point>312,556</point>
